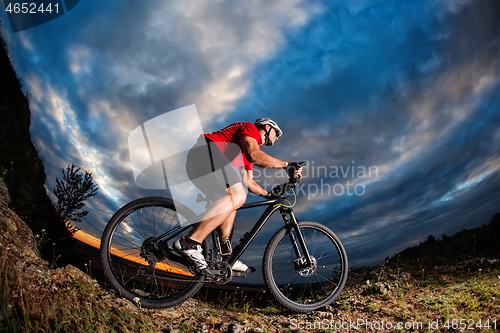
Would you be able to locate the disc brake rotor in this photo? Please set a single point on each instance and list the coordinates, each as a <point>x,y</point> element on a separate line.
<point>303,269</point>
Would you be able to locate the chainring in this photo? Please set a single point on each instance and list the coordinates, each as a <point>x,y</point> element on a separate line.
<point>223,272</point>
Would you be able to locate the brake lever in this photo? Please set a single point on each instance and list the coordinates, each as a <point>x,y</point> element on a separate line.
<point>292,181</point>
<point>295,180</point>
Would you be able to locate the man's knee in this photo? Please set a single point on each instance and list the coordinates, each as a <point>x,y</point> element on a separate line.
<point>238,194</point>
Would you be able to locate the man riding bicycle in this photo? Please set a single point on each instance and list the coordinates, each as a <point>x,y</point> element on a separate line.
<point>210,166</point>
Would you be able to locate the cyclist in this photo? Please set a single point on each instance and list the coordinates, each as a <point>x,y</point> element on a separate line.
<point>211,167</point>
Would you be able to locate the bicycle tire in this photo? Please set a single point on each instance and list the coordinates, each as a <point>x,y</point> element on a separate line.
<point>305,289</point>
<point>168,283</point>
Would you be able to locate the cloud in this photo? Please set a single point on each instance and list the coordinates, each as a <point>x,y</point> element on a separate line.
<point>104,69</point>
<point>408,87</point>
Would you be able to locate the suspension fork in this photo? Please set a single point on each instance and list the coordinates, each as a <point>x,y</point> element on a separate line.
<point>297,239</point>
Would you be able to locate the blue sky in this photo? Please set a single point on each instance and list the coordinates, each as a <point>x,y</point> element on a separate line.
<point>406,89</point>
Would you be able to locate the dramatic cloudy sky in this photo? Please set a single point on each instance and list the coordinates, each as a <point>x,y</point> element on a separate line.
<point>403,93</point>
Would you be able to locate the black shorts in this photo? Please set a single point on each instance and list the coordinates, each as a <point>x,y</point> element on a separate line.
<point>210,170</point>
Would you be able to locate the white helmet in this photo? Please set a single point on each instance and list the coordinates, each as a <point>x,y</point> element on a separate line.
<point>272,123</point>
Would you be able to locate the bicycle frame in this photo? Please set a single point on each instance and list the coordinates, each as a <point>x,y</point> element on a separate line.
<point>248,237</point>
<point>273,206</point>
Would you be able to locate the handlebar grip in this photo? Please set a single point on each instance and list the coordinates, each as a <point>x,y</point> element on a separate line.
<point>293,167</point>
<point>279,190</point>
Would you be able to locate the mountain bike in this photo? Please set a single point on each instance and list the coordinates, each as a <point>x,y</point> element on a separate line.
<point>304,264</point>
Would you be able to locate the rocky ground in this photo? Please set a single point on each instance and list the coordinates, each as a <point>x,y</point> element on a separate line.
<point>464,296</point>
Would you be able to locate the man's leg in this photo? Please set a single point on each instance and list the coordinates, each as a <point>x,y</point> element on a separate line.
<point>226,228</point>
<point>221,213</point>
<point>226,233</point>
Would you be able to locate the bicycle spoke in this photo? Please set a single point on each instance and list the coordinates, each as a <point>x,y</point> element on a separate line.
<point>138,269</point>
<point>294,283</point>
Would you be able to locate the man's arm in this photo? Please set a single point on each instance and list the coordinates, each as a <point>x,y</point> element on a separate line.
<point>256,156</point>
<point>252,185</point>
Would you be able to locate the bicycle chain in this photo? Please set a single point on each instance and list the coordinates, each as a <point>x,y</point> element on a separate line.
<point>176,279</point>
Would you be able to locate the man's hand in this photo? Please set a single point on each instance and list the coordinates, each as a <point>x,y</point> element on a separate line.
<point>294,169</point>
<point>271,195</point>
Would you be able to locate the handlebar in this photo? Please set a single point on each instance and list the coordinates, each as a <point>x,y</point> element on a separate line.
<point>279,190</point>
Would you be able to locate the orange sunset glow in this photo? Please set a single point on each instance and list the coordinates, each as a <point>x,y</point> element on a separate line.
<point>95,242</point>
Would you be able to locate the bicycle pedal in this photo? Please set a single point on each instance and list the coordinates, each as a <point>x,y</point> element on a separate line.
<point>244,273</point>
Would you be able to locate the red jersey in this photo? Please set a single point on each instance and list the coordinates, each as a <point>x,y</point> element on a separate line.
<point>234,133</point>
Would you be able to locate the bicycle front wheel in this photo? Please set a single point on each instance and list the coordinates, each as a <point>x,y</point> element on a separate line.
<point>296,285</point>
<point>140,268</point>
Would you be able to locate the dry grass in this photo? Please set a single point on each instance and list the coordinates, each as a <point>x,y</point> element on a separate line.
<point>443,296</point>
<point>60,305</point>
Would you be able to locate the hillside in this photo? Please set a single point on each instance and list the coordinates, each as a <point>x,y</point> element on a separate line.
<point>36,297</point>
<point>20,165</point>
<point>479,242</point>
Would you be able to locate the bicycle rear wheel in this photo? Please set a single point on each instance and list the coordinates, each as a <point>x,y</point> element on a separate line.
<point>296,285</point>
<point>140,269</point>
